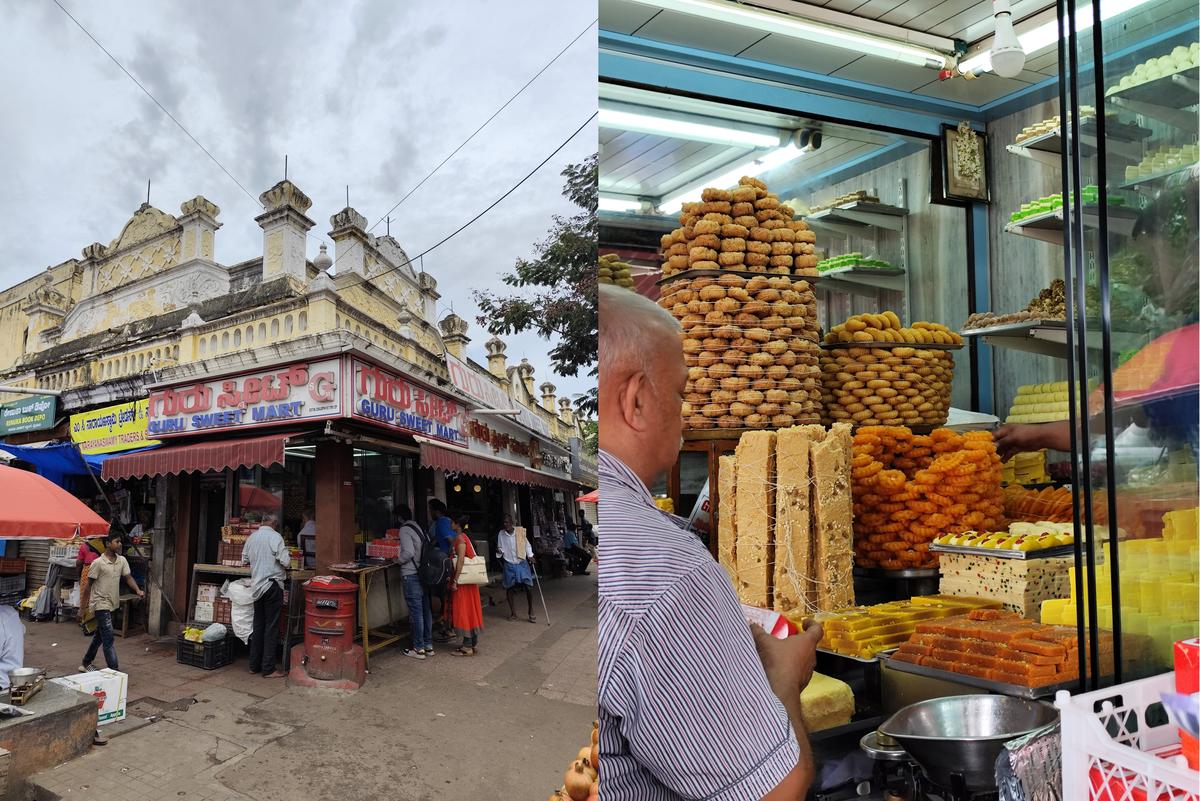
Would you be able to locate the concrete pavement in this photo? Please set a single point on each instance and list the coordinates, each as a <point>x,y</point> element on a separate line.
<point>505,723</point>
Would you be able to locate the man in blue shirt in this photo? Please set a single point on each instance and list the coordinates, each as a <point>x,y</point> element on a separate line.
<point>443,538</point>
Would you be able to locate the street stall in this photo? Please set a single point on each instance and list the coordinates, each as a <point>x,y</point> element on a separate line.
<point>877,253</point>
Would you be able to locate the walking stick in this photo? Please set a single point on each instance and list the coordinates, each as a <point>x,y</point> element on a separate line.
<point>539,588</point>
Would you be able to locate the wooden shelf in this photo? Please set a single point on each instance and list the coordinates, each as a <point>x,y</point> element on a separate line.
<point>1047,227</point>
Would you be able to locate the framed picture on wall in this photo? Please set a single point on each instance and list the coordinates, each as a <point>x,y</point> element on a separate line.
<point>961,166</point>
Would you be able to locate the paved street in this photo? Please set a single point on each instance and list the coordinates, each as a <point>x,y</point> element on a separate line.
<point>503,724</point>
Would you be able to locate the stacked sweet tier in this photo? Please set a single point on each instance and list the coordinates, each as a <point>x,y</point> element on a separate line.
<point>1050,125</point>
<point>864,631</point>
<point>861,196</point>
<point>1162,160</point>
<point>751,349</point>
<point>1050,304</point>
<point>745,228</point>
<point>1052,504</point>
<point>1180,59</point>
<point>910,489</point>
<point>1158,584</point>
<point>1020,585</point>
<point>1040,403</point>
<point>999,646</point>
<point>614,271</point>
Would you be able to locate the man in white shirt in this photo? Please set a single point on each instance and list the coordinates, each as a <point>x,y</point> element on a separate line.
<point>268,557</point>
<point>12,643</point>
<point>307,539</point>
<point>518,567</point>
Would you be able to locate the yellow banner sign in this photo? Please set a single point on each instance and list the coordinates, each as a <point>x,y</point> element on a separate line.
<point>114,428</point>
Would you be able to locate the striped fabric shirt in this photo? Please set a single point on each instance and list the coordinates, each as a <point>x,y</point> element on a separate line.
<point>685,708</point>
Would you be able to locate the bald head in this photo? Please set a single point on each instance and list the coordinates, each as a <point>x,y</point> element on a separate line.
<point>642,380</point>
<point>635,333</point>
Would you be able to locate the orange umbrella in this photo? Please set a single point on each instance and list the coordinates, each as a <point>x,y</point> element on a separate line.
<point>35,508</point>
<point>1167,367</point>
<point>591,497</point>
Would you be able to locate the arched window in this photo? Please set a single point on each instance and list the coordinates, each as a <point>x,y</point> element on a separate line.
<point>237,338</point>
<point>249,335</point>
<point>275,328</point>
<point>224,341</point>
<point>303,321</point>
<point>287,325</point>
<point>212,344</point>
<point>262,331</point>
<point>203,346</point>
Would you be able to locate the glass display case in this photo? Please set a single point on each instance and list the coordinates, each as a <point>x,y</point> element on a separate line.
<point>1130,259</point>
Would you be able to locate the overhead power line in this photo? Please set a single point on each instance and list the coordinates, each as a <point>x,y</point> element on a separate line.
<point>483,125</point>
<point>498,200</point>
<point>155,101</point>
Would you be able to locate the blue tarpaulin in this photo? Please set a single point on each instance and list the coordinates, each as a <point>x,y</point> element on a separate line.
<point>60,463</point>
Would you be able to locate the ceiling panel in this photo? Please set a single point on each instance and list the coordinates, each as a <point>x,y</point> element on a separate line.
<point>793,53</point>
<point>909,11</point>
<point>938,20</point>
<point>982,90</point>
<point>885,72</point>
<point>1047,63</point>
<point>621,16</point>
<point>691,31</point>
<point>874,9</point>
<point>846,6</point>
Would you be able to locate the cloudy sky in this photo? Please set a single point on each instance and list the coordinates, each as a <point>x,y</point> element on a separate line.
<point>372,94</point>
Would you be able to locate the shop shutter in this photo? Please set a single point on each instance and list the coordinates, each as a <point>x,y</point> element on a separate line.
<point>37,556</point>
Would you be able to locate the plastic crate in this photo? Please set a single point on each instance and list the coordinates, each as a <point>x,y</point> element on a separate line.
<point>11,565</point>
<point>386,549</point>
<point>64,551</point>
<point>1110,753</point>
<point>12,584</point>
<point>205,655</point>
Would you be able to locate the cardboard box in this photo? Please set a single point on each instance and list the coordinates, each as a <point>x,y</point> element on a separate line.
<point>207,592</point>
<point>204,612</point>
<point>110,688</point>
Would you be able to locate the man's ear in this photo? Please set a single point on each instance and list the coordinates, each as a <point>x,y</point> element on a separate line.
<point>632,402</point>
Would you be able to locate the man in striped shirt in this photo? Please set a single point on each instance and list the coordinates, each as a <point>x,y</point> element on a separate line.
<point>693,703</point>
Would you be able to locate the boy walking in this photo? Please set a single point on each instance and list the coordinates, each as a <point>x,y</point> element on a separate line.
<point>100,592</point>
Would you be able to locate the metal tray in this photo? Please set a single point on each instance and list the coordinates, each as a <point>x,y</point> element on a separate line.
<point>874,660</point>
<point>903,573</point>
<point>1003,688</point>
<point>1012,328</point>
<point>1165,91</point>
<point>916,345</point>
<point>1045,553</point>
<point>685,275</point>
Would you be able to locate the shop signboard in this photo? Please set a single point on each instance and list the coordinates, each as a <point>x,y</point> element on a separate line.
<point>391,400</point>
<point>34,413</point>
<point>293,393</point>
<point>480,387</point>
<point>121,427</point>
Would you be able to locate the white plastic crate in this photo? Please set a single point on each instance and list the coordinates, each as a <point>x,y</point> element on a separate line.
<point>1110,754</point>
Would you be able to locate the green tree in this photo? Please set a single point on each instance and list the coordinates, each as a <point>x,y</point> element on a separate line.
<point>557,287</point>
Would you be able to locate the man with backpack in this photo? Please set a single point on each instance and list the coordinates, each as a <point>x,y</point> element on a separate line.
<point>442,535</point>
<point>415,549</point>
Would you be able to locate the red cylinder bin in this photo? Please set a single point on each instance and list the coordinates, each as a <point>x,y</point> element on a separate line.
<point>330,605</point>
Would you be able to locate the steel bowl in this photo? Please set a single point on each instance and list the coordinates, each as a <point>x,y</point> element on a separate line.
<point>956,740</point>
<point>24,676</point>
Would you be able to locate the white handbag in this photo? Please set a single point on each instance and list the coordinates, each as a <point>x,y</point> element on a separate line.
<point>474,571</point>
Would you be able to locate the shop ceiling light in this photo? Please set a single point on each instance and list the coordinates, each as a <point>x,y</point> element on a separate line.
<point>684,129</point>
<point>799,28</point>
<point>1044,35</point>
<point>671,204</point>
<point>1008,59</point>
<point>619,204</point>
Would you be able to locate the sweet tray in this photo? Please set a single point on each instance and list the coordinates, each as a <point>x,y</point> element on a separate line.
<point>874,660</point>
<point>1019,326</point>
<point>685,275</point>
<point>1002,688</point>
<point>916,345</point>
<point>1004,553</point>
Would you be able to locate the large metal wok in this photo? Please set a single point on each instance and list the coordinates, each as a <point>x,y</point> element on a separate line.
<point>956,740</point>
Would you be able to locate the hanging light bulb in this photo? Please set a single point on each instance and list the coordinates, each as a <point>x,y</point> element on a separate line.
<point>1008,59</point>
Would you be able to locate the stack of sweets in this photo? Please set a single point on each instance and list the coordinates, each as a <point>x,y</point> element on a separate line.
<point>750,341</point>
<point>614,271</point>
<point>910,489</point>
<point>745,228</point>
<point>864,631</point>
<point>1020,585</point>
<point>1000,646</point>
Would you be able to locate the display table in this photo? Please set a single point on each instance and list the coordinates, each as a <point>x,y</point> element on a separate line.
<point>293,612</point>
<point>364,576</point>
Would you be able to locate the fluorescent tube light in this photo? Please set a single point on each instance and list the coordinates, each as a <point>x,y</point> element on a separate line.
<point>764,163</point>
<point>683,129</point>
<point>619,204</point>
<point>798,28</point>
<point>1046,34</point>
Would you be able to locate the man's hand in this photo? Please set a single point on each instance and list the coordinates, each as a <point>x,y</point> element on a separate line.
<point>141,594</point>
<point>1023,437</point>
<point>789,663</point>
